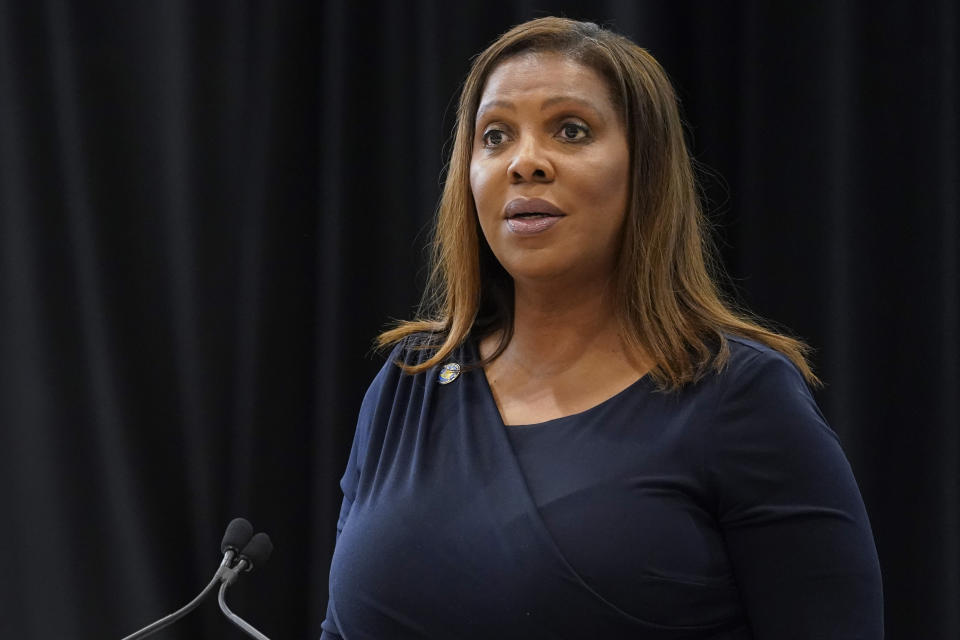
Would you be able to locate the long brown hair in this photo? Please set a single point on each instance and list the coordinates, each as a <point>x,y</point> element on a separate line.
<point>670,307</point>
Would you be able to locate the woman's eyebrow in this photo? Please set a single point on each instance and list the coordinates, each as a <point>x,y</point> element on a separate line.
<point>549,102</point>
<point>486,106</point>
<point>583,102</point>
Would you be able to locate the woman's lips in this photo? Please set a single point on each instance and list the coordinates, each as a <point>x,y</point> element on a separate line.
<point>530,216</point>
<point>529,226</point>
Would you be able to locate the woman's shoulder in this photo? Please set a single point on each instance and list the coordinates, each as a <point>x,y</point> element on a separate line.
<point>410,351</point>
<point>414,349</point>
<point>749,359</point>
<point>759,381</point>
<point>747,352</point>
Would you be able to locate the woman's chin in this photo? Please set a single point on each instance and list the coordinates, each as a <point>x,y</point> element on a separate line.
<point>556,274</point>
<point>537,269</point>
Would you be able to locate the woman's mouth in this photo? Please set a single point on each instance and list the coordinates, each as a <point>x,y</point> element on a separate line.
<point>530,216</point>
<point>529,224</point>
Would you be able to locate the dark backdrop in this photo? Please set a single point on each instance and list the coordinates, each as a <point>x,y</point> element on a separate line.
<point>208,209</point>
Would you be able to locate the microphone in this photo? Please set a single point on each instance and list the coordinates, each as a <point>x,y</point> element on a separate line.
<point>237,535</point>
<point>236,539</point>
<point>254,554</point>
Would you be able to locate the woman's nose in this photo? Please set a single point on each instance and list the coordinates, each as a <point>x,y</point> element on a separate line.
<point>530,163</point>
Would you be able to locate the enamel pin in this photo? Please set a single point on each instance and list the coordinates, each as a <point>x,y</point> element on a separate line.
<point>448,373</point>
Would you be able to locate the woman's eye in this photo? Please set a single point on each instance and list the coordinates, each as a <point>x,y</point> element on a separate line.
<point>493,138</point>
<point>572,131</point>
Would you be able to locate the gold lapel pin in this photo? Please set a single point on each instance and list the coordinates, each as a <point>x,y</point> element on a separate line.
<point>449,373</point>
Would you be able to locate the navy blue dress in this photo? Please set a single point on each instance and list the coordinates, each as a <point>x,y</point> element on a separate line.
<point>725,511</point>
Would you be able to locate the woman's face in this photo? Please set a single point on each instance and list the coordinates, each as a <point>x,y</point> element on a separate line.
<point>550,170</point>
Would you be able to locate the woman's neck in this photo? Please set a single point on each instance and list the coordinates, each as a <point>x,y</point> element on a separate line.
<point>554,331</point>
<point>565,356</point>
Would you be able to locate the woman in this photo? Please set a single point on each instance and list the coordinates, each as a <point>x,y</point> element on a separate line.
<point>581,439</point>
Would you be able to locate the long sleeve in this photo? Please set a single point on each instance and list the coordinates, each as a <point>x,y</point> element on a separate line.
<point>792,517</point>
<point>350,481</point>
<point>348,484</point>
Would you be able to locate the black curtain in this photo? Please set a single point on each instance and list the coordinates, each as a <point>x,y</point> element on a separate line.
<point>208,210</point>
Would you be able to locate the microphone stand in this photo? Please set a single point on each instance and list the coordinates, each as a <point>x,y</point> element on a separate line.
<point>229,576</point>
<point>256,550</point>
<point>190,606</point>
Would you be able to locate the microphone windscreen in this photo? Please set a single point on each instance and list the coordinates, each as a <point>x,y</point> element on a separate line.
<point>237,535</point>
<point>257,550</point>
